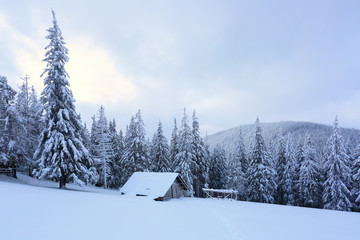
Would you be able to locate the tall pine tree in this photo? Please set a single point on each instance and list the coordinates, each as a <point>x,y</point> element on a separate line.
<point>260,176</point>
<point>10,127</point>
<point>299,157</point>
<point>136,155</point>
<point>117,148</point>
<point>237,168</point>
<point>218,172</point>
<point>29,110</point>
<point>356,178</point>
<point>337,195</point>
<point>61,149</point>
<point>280,170</point>
<point>160,153</point>
<point>199,168</point>
<point>289,186</point>
<point>184,158</point>
<point>103,150</point>
<point>174,145</point>
<point>309,176</point>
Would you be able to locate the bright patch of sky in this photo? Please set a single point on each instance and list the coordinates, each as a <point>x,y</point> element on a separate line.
<point>230,61</point>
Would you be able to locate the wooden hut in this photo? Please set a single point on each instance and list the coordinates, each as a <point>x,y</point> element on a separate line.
<point>156,185</point>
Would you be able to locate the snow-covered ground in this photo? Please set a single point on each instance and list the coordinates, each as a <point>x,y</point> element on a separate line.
<point>31,212</point>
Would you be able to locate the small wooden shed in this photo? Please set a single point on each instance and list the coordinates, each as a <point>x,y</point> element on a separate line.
<point>159,186</point>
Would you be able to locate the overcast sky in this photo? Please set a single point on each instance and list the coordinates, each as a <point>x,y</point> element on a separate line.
<point>229,60</point>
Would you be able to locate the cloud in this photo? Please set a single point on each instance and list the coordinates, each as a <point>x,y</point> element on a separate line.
<point>22,51</point>
<point>29,61</point>
<point>94,76</point>
<point>3,21</point>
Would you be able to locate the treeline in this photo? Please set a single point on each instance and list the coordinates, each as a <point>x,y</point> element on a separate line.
<point>40,138</point>
<point>47,139</point>
<point>320,133</point>
<point>117,155</point>
<point>21,124</point>
<point>292,173</point>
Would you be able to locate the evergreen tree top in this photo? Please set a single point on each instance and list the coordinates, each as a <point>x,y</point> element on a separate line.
<point>195,124</point>
<point>258,128</point>
<point>56,56</point>
<point>7,93</point>
<point>160,128</point>
<point>175,124</point>
<point>185,120</point>
<point>174,132</point>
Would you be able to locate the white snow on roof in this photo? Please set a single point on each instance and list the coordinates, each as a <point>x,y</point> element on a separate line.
<point>220,190</point>
<point>152,184</point>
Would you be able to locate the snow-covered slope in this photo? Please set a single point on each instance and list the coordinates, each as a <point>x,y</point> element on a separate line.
<point>29,212</point>
<point>319,133</point>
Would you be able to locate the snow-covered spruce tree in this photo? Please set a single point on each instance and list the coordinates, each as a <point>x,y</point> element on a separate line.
<point>10,127</point>
<point>272,150</point>
<point>122,170</point>
<point>127,164</point>
<point>208,160</point>
<point>103,153</point>
<point>174,145</point>
<point>88,160</point>
<point>235,176</point>
<point>160,153</point>
<point>184,158</point>
<point>143,161</point>
<point>22,106</point>
<point>309,176</point>
<point>241,153</point>
<point>280,169</point>
<point>136,152</point>
<point>121,144</point>
<point>237,168</point>
<point>36,113</point>
<point>356,178</point>
<point>349,152</point>
<point>299,157</point>
<point>117,148</point>
<point>336,195</point>
<point>199,169</point>
<point>61,149</point>
<point>260,176</point>
<point>218,172</point>
<point>29,110</point>
<point>6,95</point>
<point>86,136</point>
<point>289,174</point>
<point>94,140</point>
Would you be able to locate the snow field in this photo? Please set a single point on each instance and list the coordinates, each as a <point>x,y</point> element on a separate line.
<point>31,212</point>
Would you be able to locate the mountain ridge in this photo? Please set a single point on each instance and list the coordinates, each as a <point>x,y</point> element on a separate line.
<point>271,131</point>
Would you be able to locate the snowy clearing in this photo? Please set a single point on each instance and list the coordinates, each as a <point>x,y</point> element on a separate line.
<point>31,212</point>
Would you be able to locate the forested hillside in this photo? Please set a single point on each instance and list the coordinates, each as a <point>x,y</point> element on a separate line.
<point>271,131</point>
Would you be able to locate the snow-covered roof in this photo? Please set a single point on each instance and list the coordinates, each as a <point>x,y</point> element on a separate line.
<point>152,184</point>
<point>220,190</point>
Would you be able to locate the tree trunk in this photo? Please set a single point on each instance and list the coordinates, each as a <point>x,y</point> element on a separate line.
<point>30,170</point>
<point>13,166</point>
<point>198,185</point>
<point>62,181</point>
